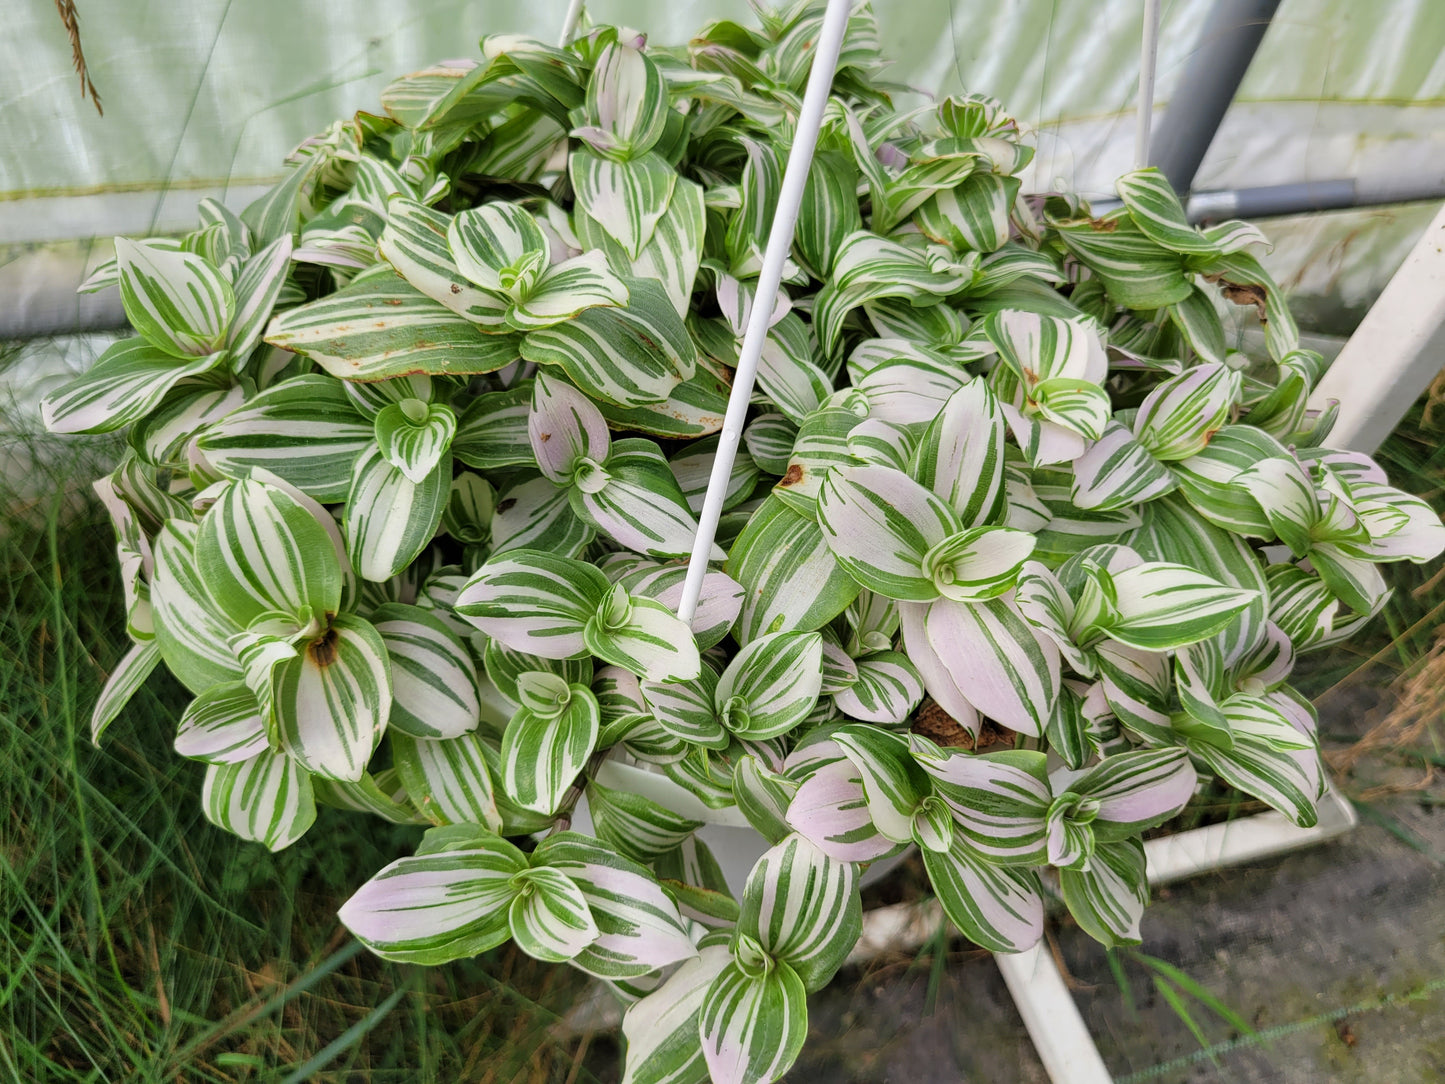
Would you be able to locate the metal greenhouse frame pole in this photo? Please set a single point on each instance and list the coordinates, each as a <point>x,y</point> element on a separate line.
<point>1221,56</point>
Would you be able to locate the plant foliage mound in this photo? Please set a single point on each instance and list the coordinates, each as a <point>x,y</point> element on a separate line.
<point>418,441</point>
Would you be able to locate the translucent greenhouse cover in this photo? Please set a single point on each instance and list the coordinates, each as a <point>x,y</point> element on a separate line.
<point>206,97</point>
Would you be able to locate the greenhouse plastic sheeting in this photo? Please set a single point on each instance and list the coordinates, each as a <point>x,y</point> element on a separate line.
<point>206,97</point>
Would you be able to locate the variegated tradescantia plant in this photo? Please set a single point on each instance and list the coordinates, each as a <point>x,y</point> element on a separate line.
<point>418,440</point>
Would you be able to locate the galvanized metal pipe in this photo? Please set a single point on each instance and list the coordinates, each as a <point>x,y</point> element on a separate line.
<point>1226,45</point>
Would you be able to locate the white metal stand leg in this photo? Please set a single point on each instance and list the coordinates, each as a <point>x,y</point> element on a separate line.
<point>1058,1031</point>
<point>1395,352</point>
<point>1062,1040</point>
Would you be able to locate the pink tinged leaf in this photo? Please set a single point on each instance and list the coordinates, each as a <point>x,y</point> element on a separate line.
<point>1009,674</point>
<point>1163,784</point>
<point>830,810</point>
<point>564,428</point>
<point>938,679</point>
<point>421,898</point>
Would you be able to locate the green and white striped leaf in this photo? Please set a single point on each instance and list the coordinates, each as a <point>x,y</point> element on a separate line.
<point>753,1025</point>
<point>787,373</point>
<point>1156,210</point>
<point>566,289</point>
<point>124,682</point>
<point>267,799</point>
<point>972,215</point>
<point>536,515</point>
<point>1198,321</point>
<point>1245,281</point>
<point>641,929</point>
<point>123,386</point>
<point>692,467</point>
<point>1355,581</point>
<point>1116,471</point>
<point>1136,686</point>
<point>999,800</point>
<point>1161,606</point>
<point>382,327</point>
<point>1172,533</point>
<point>887,690</point>
<point>549,916</point>
<point>687,709</point>
<point>771,685</point>
<point>498,246</point>
<point>938,679</point>
<point>626,105</point>
<point>543,752</point>
<point>259,551</point>
<point>910,391</point>
<point>1177,418</point>
<point>413,436</point>
<point>769,439</point>
<point>1269,759</point>
<point>1038,348</point>
<point>435,689</point>
<point>828,213</point>
<point>380,795</point>
<point>694,408</point>
<point>330,703</point>
<point>674,253</point>
<point>534,602</point>
<point>663,1043</point>
<point>432,908</point>
<point>492,432</point>
<point>1007,671</point>
<point>256,290</point>
<point>881,525</point>
<point>416,243</point>
<point>803,909</point>
<point>1079,406</point>
<point>791,580</point>
<point>304,430</point>
<point>447,779</point>
<point>895,786</point>
<point>639,505</point>
<point>1301,605</point>
<point>638,827</point>
<point>718,604</point>
<point>978,563</point>
<point>1138,272</point>
<point>390,519</point>
<point>1108,899</point>
<point>630,357</point>
<point>960,456</point>
<point>1287,496</point>
<point>763,795</point>
<point>867,267</point>
<point>645,637</point>
<point>822,443</point>
<point>999,908</point>
<point>1136,790</point>
<point>177,301</point>
<point>222,725</point>
<point>190,630</point>
<point>830,809</point>
<point>626,198</point>
<point>564,428</point>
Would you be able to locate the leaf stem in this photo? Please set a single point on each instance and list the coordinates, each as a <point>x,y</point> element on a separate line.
<point>563,819</point>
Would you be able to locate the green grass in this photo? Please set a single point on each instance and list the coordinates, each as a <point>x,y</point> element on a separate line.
<point>138,942</point>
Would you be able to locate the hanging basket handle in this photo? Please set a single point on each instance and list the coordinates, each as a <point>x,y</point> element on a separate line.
<point>780,241</point>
